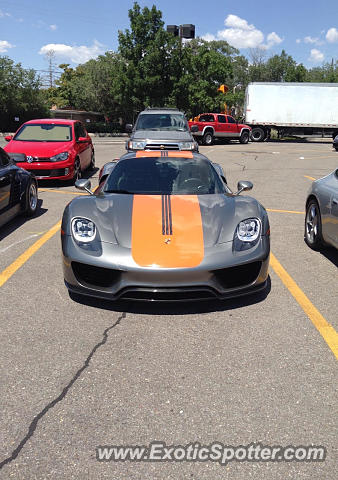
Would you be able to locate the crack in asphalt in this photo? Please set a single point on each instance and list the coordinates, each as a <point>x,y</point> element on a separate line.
<point>39,416</point>
<point>241,165</point>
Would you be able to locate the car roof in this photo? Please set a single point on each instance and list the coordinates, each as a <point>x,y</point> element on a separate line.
<point>161,110</point>
<point>51,121</point>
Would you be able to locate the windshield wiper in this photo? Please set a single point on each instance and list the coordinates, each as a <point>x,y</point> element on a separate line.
<point>119,191</point>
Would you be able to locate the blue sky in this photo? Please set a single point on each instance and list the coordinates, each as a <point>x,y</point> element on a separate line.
<point>80,30</point>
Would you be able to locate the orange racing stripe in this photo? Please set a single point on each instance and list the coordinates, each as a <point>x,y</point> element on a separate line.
<point>167,232</point>
<point>160,153</point>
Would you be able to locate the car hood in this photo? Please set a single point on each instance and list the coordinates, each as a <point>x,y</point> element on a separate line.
<point>210,218</point>
<point>156,135</point>
<point>37,149</point>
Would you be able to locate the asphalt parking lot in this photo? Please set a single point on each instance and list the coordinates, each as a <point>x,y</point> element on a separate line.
<point>76,375</point>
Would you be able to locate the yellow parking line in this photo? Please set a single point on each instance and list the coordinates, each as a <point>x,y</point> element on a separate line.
<point>65,192</point>
<point>284,211</point>
<point>9,271</point>
<point>325,329</point>
<point>310,178</point>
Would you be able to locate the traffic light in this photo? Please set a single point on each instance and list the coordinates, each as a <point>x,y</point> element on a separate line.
<point>223,89</point>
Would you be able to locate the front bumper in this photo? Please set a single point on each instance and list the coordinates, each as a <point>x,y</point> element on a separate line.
<point>50,170</point>
<point>151,145</point>
<point>112,274</point>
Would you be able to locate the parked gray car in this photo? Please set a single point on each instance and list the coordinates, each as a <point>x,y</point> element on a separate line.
<point>160,129</point>
<point>321,218</point>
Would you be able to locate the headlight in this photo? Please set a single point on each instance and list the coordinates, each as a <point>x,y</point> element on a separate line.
<point>59,157</point>
<point>247,234</point>
<point>83,229</point>
<point>187,146</point>
<point>136,145</point>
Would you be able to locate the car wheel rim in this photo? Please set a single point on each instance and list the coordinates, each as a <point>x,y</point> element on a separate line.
<point>77,171</point>
<point>312,224</point>
<point>33,197</point>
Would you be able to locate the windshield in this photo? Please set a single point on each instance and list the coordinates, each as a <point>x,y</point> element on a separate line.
<point>164,176</point>
<point>162,121</point>
<point>44,132</point>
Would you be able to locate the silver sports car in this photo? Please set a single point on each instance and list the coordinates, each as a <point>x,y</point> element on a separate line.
<point>321,218</point>
<point>164,226</point>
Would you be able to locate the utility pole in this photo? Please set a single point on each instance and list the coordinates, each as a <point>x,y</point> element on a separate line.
<point>50,56</point>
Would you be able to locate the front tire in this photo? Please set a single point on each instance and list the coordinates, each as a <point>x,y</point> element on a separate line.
<point>208,138</point>
<point>313,226</point>
<point>31,199</point>
<point>244,138</point>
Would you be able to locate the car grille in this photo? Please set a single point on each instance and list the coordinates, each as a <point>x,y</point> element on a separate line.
<point>59,172</point>
<point>96,276</point>
<point>167,294</point>
<point>239,276</point>
<point>162,146</point>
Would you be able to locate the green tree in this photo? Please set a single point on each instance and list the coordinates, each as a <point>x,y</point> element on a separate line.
<point>20,95</point>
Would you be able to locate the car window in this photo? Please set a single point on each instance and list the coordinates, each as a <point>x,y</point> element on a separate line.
<point>162,121</point>
<point>80,131</point>
<point>222,119</point>
<point>206,118</point>
<point>4,159</point>
<point>231,119</point>
<point>170,176</point>
<point>44,132</point>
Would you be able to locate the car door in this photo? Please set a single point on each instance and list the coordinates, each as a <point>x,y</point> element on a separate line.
<point>331,222</point>
<point>6,175</point>
<point>84,148</point>
<point>232,127</point>
<point>222,127</point>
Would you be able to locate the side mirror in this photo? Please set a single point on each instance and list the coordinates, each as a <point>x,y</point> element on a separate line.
<point>82,140</point>
<point>243,186</point>
<point>194,128</point>
<point>8,138</point>
<point>129,127</point>
<point>84,184</point>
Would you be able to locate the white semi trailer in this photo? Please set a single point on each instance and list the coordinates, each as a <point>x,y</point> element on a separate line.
<point>291,109</point>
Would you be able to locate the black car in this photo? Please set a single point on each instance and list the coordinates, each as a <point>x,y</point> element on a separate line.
<point>18,190</point>
<point>335,143</point>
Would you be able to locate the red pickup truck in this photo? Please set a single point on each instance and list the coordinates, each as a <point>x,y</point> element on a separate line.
<point>218,125</point>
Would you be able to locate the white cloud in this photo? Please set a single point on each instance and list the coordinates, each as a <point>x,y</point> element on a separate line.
<point>332,35</point>
<point>53,27</point>
<point>209,37</point>
<point>4,14</point>
<point>232,21</point>
<point>240,34</point>
<point>313,40</point>
<point>298,40</point>
<point>4,46</point>
<point>76,54</point>
<point>273,39</point>
<point>316,55</point>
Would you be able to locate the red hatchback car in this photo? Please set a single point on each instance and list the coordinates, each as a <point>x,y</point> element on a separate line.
<point>52,148</point>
